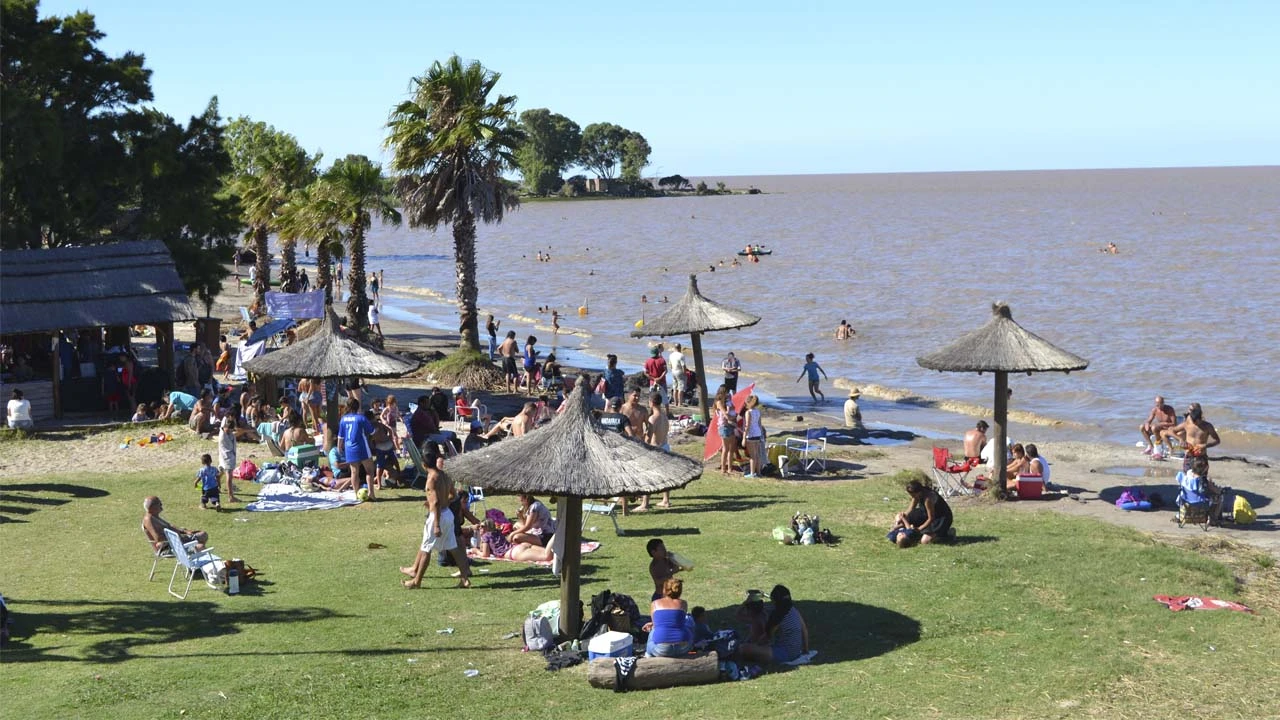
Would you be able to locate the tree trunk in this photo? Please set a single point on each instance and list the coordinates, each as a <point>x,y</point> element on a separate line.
<point>464,257</point>
<point>262,267</point>
<point>322,272</point>
<point>658,672</point>
<point>288,266</point>
<point>358,303</point>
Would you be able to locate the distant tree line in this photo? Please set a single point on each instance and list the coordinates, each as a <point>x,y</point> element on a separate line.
<point>553,144</point>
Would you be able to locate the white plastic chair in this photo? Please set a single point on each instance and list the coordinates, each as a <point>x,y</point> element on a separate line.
<point>464,415</point>
<point>812,449</point>
<point>188,559</point>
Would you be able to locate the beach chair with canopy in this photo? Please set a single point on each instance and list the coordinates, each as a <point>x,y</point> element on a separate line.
<point>952,478</point>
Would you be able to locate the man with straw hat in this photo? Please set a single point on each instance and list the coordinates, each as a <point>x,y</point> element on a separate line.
<point>852,415</point>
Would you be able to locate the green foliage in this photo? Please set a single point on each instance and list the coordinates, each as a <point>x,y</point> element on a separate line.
<point>674,182</point>
<point>551,144</point>
<point>355,188</point>
<point>635,155</point>
<point>84,162</point>
<point>450,144</point>
<point>700,188</point>
<point>602,148</point>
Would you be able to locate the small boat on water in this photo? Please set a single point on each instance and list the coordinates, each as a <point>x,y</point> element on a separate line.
<point>754,250</point>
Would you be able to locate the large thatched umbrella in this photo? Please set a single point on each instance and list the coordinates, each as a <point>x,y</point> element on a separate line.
<point>573,457</point>
<point>694,315</point>
<point>1002,346</point>
<point>327,354</point>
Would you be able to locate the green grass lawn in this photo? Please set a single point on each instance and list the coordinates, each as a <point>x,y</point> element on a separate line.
<point>1032,614</point>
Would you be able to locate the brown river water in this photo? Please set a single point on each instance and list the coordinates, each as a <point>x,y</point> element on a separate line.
<point>1188,308</point>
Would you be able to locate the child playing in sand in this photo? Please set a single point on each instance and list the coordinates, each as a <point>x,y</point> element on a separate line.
<point>208,479</point>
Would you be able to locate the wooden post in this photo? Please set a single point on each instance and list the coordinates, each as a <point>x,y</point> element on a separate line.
<point>164,350</point>
<point>57,376</point>
<point>699,369</point>
<point>1000,453</point>
<point>569,522</point>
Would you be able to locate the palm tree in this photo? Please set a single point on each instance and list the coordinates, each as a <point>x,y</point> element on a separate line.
<point>311,216</point>
<point>450,146</point>
<point>354,186</point>
<point>267,166</point>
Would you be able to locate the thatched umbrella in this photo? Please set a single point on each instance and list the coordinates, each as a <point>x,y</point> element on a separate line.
<point>327,354</point>
<point>694,315</point>
<point>1002,346</point>
<point>573,457</point>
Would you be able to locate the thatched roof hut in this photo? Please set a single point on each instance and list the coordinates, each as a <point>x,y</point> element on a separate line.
<point>108,285</point>
<point>573,457</point>
<point>1002,346</point>
<point>693,315</point>
<point>329,353</point>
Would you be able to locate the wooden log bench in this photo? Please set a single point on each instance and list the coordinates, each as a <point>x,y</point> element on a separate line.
<point>658,672</point>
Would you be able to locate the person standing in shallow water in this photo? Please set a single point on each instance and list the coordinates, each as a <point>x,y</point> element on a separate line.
<point>812,368</point>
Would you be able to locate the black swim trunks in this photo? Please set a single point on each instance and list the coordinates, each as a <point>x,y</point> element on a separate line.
<point>509,367</point>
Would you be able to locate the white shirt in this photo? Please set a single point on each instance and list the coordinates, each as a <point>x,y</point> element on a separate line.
<point>373,315</point>
<point>20,410</point>
<point>675,364</point>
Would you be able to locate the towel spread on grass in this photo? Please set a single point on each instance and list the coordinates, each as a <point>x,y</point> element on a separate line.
<point>474,554</point>
<point>282,497</point>
<point>1191,602</point>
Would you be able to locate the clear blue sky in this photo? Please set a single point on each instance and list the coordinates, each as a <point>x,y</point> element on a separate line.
<point>736,88</point>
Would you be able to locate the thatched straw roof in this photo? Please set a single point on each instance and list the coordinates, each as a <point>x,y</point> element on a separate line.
<point>1002,345</point>
<point>695,314</point>
<point>328,353</point>
<point>574,456</point>
<point>108,285</point>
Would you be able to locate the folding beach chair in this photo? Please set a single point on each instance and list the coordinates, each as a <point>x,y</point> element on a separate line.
<point>609,509</point>
<point>190,561</point>
<point>952,478</point>
<point>811,449</point>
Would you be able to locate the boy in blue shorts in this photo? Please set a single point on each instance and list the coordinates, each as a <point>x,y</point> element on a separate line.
<point>208,479</point>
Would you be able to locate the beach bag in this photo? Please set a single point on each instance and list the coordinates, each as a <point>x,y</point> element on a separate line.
<point>1132,499</point>
<point>1242,512</point>
<point>246,470</point>
<point>537,634</point>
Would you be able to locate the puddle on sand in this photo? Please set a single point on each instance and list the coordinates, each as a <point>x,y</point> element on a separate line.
<point>1149,471</point>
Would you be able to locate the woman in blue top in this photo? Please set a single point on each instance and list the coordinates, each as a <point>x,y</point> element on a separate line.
<point>353,444</point>
<point>671,630</point>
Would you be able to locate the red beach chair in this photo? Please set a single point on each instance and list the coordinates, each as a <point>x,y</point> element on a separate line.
<point>952,477</point>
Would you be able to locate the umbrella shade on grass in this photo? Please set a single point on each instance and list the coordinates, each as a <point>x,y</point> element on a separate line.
<point>1002,346</point>
<point>573,457</point>
<point>693,315</point>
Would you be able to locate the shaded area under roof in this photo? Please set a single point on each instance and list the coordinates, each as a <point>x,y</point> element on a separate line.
<point>1002,345</point>
<point>693,313</point>
<point>329,353</point>
<point>107,285</point>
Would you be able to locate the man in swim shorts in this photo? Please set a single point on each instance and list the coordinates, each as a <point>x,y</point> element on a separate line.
<point>438,532</point>
<point>510,350</point>
<point>974,440</point>
<point>1162,417</point>
<point>1196,433</point>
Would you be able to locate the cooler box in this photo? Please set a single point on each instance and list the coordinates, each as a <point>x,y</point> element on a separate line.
<point>302,455</point>
<point>1030,487</point>
<point>610,645</point>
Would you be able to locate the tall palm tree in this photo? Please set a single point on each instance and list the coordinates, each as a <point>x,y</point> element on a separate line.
<point>311,216</point>
<point>354,185</point>
<point>267,166</point>
<point>450,145</point>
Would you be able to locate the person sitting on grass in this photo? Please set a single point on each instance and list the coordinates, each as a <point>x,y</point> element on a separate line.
<point>154,526</point>
<point>670,630</point>
<point>661,568</point>
<point>140,415</point>
<point>927,519</point>
<point>534,525</point>
<point>788,636</point>
<point>297,434</point>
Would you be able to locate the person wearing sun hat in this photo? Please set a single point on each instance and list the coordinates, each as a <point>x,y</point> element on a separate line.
<point>852,415</point>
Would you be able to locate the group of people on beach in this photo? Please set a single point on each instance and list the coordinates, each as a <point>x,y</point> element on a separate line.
<point>1162,431</point>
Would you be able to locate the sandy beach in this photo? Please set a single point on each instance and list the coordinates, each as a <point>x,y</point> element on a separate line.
<point>1093,474</point>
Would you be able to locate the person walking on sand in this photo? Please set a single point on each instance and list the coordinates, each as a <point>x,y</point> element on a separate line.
<point>731,368</point>
<point>555,322</point>
<point>227,454</point>
<point>655,368</point>
<point>676,365</point>
<point>530,362</point>
<point>375,319</point>
<point>812,368</point>
<point>438,532</point>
